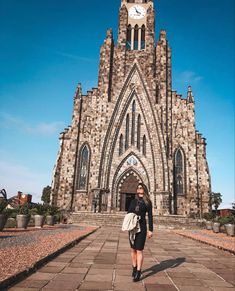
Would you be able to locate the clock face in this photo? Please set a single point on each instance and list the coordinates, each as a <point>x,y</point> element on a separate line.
<point>137,12</point>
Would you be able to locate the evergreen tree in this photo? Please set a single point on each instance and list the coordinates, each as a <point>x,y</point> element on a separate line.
<point>46,193</point>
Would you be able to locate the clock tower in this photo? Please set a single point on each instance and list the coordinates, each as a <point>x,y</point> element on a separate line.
<point>136,24</point>
<point>136,34</point>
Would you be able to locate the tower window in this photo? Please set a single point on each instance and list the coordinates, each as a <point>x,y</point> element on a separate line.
<point>121,145</point>
<point>143,37</point>
<point>128,37</point>
<point>136,37</point>
<point>144,145</point>
<point>133,123</point>
<point>127,131</point>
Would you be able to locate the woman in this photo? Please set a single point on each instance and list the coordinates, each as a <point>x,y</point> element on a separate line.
<point>140,205</point>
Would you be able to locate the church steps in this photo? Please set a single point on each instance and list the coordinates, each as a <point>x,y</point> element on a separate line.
<point>115,219</point>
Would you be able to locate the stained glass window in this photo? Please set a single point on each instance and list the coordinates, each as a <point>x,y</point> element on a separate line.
<point>138,132</point>
<point>144,145</point>
<point>83,169</point>
<point>143,37</point>
<point>179,173</point>
<point>133,123</point>
<point>127,131</point>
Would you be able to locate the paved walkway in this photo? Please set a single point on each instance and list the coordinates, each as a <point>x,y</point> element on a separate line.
<point>102,262</point>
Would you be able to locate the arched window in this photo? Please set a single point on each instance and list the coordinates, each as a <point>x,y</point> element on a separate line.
<point>142,37</point>
<point>133,123</point>
<point>136,37</point>
<point>157,94</point>
<point>83,168</point>
<point>179,173</point>
<point>144,145</point>
<point>138,131</point>
<point>121,145</point>
<point>128,37</point>
<point>127,131</point>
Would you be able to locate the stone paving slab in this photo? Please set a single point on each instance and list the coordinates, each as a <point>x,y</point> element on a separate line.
<point>102,262</point>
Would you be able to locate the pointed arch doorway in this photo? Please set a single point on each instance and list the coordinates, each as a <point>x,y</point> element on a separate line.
<point>127,191</point>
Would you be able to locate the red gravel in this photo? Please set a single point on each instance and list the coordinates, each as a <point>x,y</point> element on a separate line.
<point>21,249</point>
<point>219,240</point>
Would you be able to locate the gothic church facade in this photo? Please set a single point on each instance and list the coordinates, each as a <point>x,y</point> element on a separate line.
<point>133,128</point>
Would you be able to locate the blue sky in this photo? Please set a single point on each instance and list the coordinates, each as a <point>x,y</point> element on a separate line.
<point>48,46</point>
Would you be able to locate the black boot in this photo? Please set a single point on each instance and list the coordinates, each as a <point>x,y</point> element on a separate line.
<point>137,276</point>
<point>134,270</point>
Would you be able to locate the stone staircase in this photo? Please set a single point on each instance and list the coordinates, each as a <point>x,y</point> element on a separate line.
<point>115,220</point>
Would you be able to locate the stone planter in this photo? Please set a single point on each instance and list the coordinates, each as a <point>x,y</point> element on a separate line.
<point>50,219</point>
<point>209,225</point>
<point>22,220</point>
<point>39,220</point>
<point>230,229</point>
<point>3,220</point>
<point>216,227</point>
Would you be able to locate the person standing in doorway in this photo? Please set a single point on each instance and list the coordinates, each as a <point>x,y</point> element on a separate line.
<point>140,206</point>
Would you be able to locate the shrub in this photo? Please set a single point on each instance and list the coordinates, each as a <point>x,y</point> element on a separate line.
<point>209,216</point>
<point>23,209</point>
<point>58,217</point>
<point>40,209</point>
<point>11,213</point>
<point>226,220</point>
<point>52,210</point>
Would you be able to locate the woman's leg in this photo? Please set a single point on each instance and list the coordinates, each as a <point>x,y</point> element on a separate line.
<point>134,257</point>
<point>140,259</point>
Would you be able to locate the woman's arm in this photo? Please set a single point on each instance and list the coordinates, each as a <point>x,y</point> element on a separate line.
<point>132,206</point>
<point>150,217</point>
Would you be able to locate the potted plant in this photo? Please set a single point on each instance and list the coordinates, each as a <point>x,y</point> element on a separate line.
<point>23,215</point>
<point>216,225</point>
<point>39,217</point>
<point>51,212</point>
<point>208,217</point>
<point>230,225</point>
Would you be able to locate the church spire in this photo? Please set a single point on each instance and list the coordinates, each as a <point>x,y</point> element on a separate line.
<point>190,98</point>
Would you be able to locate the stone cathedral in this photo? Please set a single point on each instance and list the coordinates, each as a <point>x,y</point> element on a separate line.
<point>133,128</point>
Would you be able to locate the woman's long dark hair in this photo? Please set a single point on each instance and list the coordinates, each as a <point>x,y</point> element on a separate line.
<point>146,193</point>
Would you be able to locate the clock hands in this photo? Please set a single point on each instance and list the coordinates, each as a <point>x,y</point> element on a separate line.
<point>137,11</point>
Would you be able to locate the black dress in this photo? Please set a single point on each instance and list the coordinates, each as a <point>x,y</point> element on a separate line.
<point>139,207</point>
